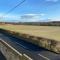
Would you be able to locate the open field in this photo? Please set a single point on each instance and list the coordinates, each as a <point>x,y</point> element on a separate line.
<point>43,36</point>
<point>50,32</point>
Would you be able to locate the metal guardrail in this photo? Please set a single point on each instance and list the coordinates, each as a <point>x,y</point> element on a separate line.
<point>12,54</point>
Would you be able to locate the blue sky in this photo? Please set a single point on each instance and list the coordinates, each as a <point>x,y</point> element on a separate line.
<point>30,10</point>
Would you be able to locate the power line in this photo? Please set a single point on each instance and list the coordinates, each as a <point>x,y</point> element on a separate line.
<point>15,6</point>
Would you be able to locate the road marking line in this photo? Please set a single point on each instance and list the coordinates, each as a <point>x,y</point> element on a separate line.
<point>21,45</point>
<point>27,57</point>
<point>38,54</point>
<point>44,57</point>
<point>11,47</point>
<point>20,53</point>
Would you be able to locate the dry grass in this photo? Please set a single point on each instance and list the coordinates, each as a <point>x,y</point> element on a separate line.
<point>51,32</point>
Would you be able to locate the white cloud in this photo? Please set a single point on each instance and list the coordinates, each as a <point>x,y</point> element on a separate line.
<point>30,14</point>
<point>9,18</point>
<point>32,17</point>
<point>52,0</point>
<point>55,19</point>
<point>42,14</point>
<point>23,17</point>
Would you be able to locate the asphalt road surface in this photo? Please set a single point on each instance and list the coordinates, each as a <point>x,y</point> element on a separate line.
<point>33,51</point>
<point>2,57</point>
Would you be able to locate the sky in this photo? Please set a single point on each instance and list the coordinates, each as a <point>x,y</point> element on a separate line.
<point>30,10</point>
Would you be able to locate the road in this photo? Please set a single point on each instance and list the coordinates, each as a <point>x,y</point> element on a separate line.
<point>2,57</point>
<point>33,51</point>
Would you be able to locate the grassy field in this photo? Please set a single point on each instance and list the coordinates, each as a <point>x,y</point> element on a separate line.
<point>51,32</point>
<point>47,37</point>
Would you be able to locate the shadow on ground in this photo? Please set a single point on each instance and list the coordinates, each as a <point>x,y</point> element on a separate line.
<point>2,57</point>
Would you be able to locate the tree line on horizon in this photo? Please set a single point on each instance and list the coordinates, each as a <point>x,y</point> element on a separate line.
<point>52,23</point>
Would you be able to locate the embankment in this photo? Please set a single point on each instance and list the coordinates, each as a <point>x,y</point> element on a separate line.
<point>49,44</point>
